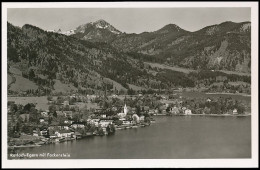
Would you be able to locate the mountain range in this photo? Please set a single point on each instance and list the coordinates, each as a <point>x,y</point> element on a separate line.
<point>225,46</point>
<point>97,55</point>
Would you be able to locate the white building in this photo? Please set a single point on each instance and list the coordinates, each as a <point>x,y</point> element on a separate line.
<point>141,118</point>
<point>187,112</point>
<point>77,125</point>
<point>66,103</point>
<point>127,122</point>
<point>235,112</point>
<point>44,114</point>
<point>105,123</point>
<point>136,118</point>
<point>175,110</point>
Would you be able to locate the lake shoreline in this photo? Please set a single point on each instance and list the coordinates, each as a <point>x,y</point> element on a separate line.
<point>224,115</point>
<point>240,94</point>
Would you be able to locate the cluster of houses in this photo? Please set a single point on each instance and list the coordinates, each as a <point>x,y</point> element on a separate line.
<point>69,130</point>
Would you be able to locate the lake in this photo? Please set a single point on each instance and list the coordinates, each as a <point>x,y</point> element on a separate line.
<point>176,137</point>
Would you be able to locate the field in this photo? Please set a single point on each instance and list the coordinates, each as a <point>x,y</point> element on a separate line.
<point>89,105</point>
<point>162,66</point>
<point>186,70</point>
<point>15,71</point>
<point>237,73</point>
<point>9,79</point>
<point>136,88</point>
<point>41,102</point>
<point>237,83</point>
<point>22,84</point>
<point>64,88</point>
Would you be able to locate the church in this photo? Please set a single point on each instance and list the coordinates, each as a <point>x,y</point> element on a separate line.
<point>123,115</point>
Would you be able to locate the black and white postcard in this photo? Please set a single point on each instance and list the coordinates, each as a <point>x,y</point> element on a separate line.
<point>128,84</point>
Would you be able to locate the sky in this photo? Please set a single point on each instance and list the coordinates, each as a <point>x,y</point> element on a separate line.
<point>129,20</point>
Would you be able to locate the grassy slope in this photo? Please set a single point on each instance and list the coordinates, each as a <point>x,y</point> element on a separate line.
<point>9,79</point>
<point>22,84</point>
<point>115,84</point>
<point>61,87</point>
<point>41,102</point>
<point>237,73</point>
<point>136,88</point>
<point>186,70</point>
<point>162,66</point>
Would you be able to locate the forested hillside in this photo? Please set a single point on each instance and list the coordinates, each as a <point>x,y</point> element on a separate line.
<point>52,61</point>
<point>42,62</point>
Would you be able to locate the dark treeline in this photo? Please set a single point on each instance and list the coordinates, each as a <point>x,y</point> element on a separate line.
<point>145,57</point>
<point>208,74</point>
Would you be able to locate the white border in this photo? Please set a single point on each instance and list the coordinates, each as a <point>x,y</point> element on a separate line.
<point>130,163</point>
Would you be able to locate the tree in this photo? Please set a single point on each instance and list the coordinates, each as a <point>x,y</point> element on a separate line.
<point>168,109</point>
<point>60,100</point>
<point>50,119</point>
<point>130,91</point>
<point>121,92</point>
<point>61,119</point>
<point>77,117</point>
<point>13,108</point>
<point>52,108</point>
<point>241,109</point>
<point>91,127</point>
<point>31,74</point>
<point>100,130</point>
<point>49,98</point>
<point>28,107</point>
<point>147,119</point>
<point>72,101</point>
<point>138,110</point>
<point>10,130</point>
<point>26,119</point>
<point>85,112</point>
<point>34,116</point>
<point>55,114</point>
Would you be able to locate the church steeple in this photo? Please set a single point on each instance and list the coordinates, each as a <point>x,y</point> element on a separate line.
<point>125,109</point>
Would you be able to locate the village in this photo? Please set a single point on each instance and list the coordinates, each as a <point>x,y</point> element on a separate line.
<point>75,116</point>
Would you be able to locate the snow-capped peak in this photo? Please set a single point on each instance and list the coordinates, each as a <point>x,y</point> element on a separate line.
<point>51,31</point>
<point>70,32</point>
<point>100,24</point>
